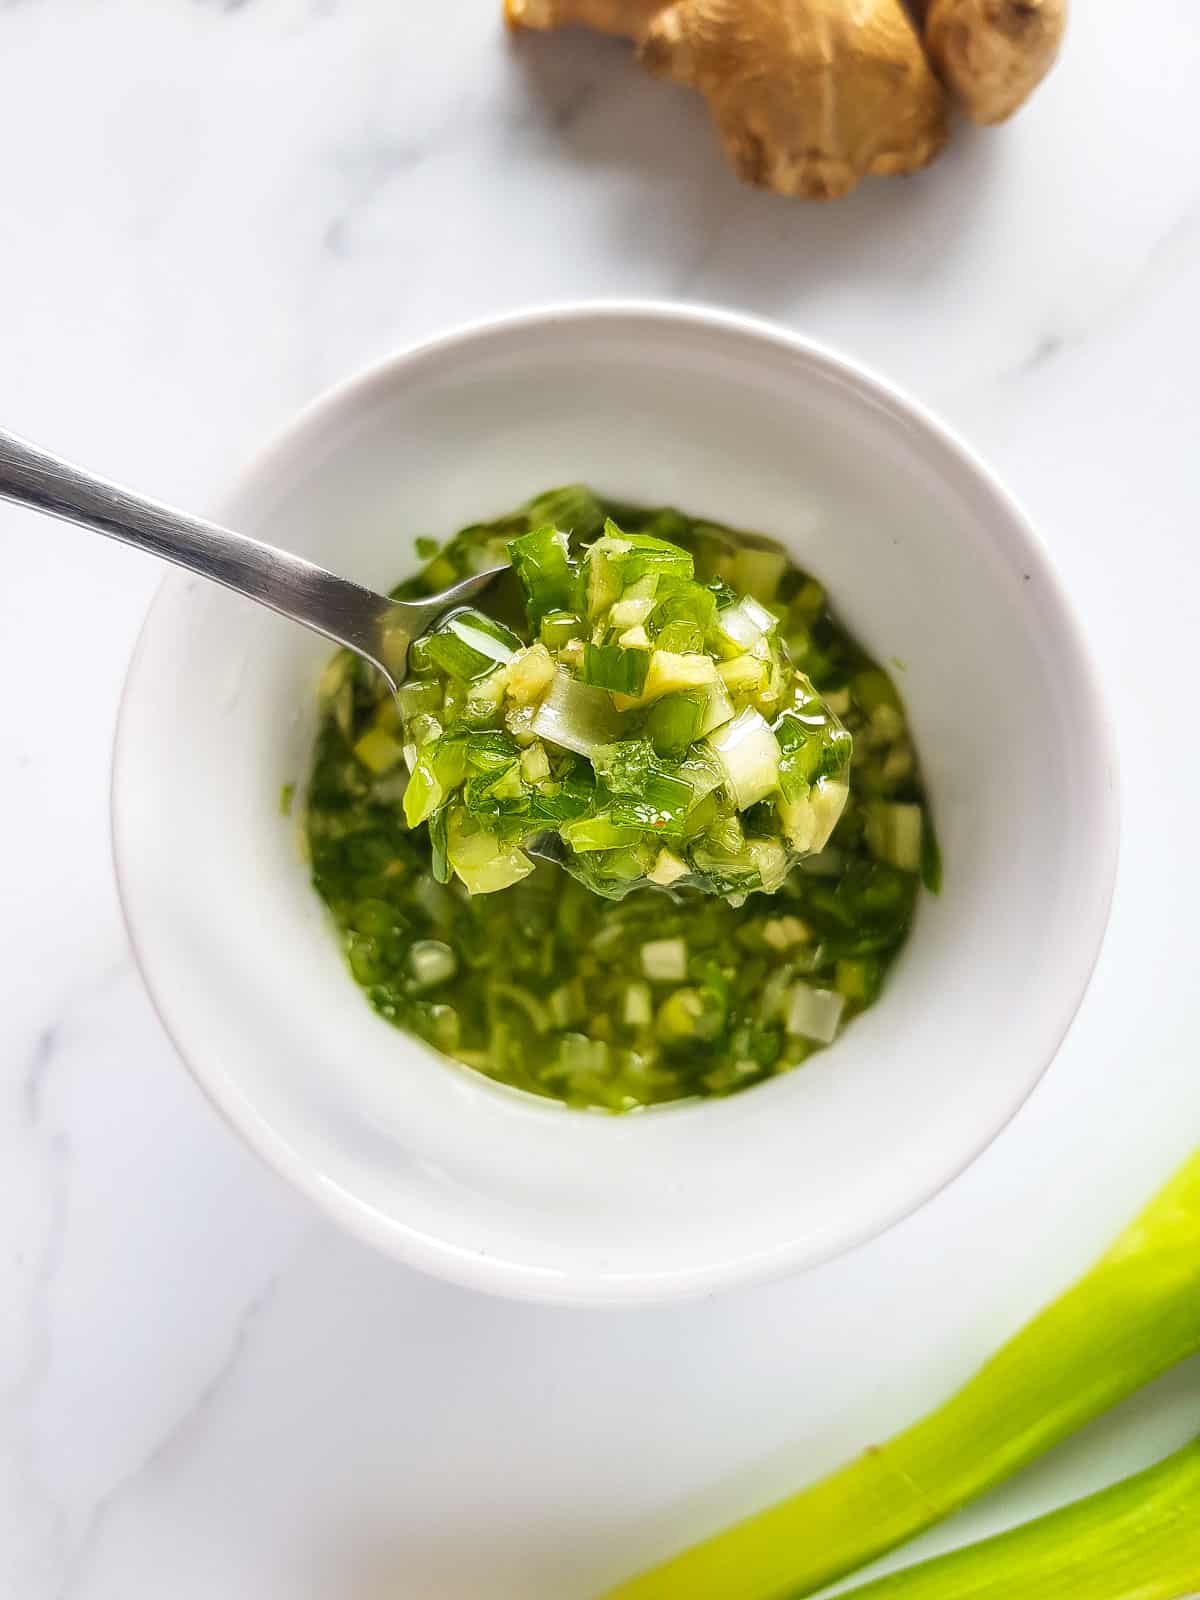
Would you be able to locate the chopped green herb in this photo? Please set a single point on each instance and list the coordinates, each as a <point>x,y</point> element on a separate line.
<point>647,731</point>
<point>611,667</point>
<point>667,663</point>
<point>542,562</point>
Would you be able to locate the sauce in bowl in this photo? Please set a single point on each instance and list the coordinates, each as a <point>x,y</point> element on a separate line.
<point>683,952</point>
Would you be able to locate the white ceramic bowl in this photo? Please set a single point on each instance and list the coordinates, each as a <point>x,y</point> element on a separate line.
<point>931,564</point>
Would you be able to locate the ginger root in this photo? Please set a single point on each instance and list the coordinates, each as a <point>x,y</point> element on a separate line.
<point>810,96</point>
<point>994,53</point>
<point>628,19</point>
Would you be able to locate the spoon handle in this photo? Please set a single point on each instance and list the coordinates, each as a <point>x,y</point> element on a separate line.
<point>342,611</point>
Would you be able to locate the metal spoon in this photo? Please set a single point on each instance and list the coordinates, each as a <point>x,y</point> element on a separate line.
<point>370,624</point>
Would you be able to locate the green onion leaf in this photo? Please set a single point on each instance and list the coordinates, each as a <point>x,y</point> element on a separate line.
<point>1132,1317</point>
<point>468,645</point>
<point>441,766</point>
<point>646,555</point>
<point>661,807</point>
<point>873,688</point>
<point>598,833</point>
<point>611,667</point>
<point>542,563</point>
<point>378,751</point>
<point>758,572</point>
<point>894,833</point>
<point>573,507</point>
<point>689,1015</point>
<point>557,627</point>
<point>931,858</point>
<point>810,747</point>
<point>683,614</point>
<point>674,722</point>
<point>680,638</point>
<point>1138,1540</point>
<point>626,766</point>
<point>419,697</point>
<point>483,862</point>
<point>575,798</point>
<point>439,864</point>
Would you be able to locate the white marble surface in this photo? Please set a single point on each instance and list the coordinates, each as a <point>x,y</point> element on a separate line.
<point>210,212</point>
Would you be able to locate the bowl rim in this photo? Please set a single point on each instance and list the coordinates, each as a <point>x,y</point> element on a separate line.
<point>586,1288</point>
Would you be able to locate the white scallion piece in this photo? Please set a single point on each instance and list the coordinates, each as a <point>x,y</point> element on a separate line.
<point>493,649</point>
<point>576,716</point>
<point>809,822</point>
<point>771,859</point>
<point>667,869</point>
<point>894,832</point>
<point>783,932</point>
<point>749,755</point>
<point>431,962</point>
<point>814,1013</point>
<point>629,613</point>
<point>665,960</point>
<point>759,572</point>
<point>703,771</point>
<point>745,623</point>
<point>718,708</point>
<point>638,1006</point>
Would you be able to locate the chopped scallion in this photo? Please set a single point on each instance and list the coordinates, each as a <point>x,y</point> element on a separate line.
<point>576,716</point>
<point>612,667</point>
<point>749,757</point>
<point>665,960</point>
<point>814,1013</point>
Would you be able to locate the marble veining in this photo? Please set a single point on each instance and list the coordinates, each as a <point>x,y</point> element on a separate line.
<point>213,209</point>
<point>173,1442</point>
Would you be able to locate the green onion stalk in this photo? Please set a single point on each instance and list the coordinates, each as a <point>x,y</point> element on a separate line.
<point>1133,1316</point>
<point>1139,1540</point>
